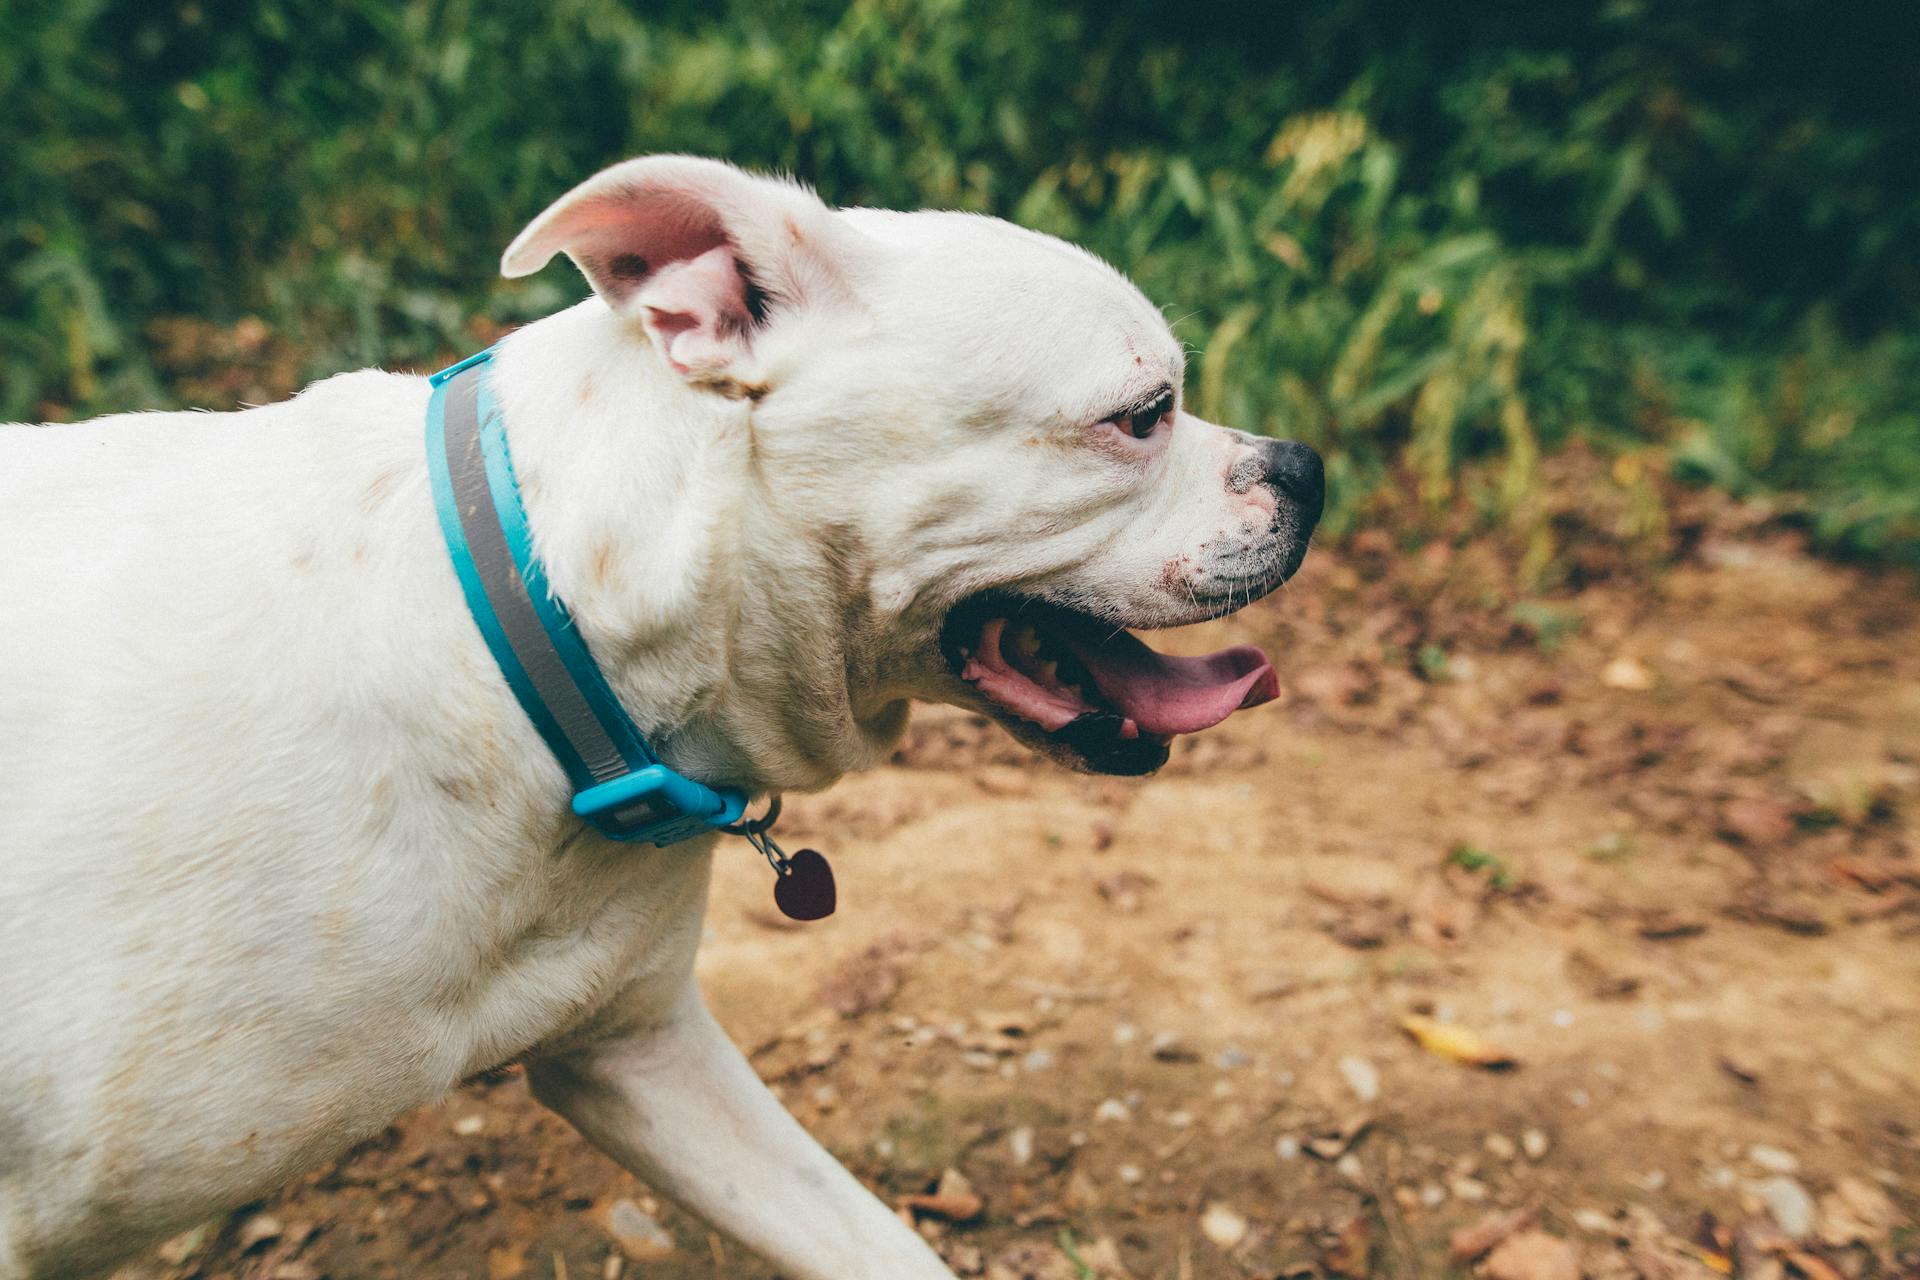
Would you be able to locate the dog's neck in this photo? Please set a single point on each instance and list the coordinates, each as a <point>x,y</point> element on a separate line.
<point>729,626</point>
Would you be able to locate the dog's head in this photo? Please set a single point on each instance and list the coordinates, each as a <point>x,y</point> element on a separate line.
<point>977,436</point>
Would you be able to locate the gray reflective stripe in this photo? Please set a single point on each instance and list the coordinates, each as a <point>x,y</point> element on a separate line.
<point>507,592</point>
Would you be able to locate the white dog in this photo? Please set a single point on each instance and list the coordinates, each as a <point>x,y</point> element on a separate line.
<point>281,857</point>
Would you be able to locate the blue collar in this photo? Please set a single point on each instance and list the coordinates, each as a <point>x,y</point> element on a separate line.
<point>620,786</point>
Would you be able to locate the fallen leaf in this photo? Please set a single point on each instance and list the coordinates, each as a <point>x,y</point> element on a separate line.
<point>1758,821</point>
<point>1810,1266</point>
<point>1662,923</point>
<point>1351,1254</point>
<point>1855,1212</point>
<point>1533,1255</point>
<point>953,1199</point>
<point>1457,1043</point>
<point>1469,1243</point>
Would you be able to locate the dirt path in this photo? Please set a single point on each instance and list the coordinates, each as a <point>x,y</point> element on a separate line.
<point>1660,844</point>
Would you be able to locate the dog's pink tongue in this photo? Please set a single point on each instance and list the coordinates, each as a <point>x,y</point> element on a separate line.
<point>1167,695</point>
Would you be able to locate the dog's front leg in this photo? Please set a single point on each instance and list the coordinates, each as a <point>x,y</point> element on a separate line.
<point>678,1104</point>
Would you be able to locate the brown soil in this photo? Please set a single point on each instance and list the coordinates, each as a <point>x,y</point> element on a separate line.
<point>1658,841</point>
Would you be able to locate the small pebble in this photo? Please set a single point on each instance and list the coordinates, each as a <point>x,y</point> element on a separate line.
<point>1563,1018</point>
<point>1020,1142</point>
<point>1132,1174</point>
<point>1579,1097</point>
<point>1112,1109</point>
<point>1038,1060</point>
<point>1350,1168</point>
<point>1534,1142</point>
<point>1287,1147</point>
<point>1500,1146</point>
<point>1223,1226</point>
<point>1169,1047</point>
<point>1231,1058</point>
<point>467,1126</point>
<point>639,1236</point>
<point>1773,1159</point>
<point>1789,1204</point>
<point>1179,1119</point>
<point>1593,1222</point>
<point>1432,1195</point>
<point>1362,1077</point>
<point>1472,1190</point>
<point>1125,1034</point>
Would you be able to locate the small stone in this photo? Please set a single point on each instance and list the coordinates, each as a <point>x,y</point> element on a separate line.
<point>1654,1180</point>
<point>1500,1146</point>
<point>1038,1060</point>
<point>1223,1226</point>
<point>1471,1190</point>
<point>1131,1174</point>
<point>640,1238</point>
<point>1594,1222</point>
<point>261,1228</point>
<point>1169,1047</point>
<point>1231,1058</point>
<point>1627,673</point>
<point>1773,1159</point>
<point>1020,1143</point>
<point>1362,1077</point>
<point>467,1126</point>
<point>1112,1110</point>
<point>1287,1147</point>
<point>1125,1034</point>
<point>1790,1205</point>
<point>1349,1167</point>
<point>1535,1143</point>
<point>1432,1195</point>
<point>1179,1120</point>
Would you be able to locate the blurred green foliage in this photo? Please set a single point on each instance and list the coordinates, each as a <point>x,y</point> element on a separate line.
<point>1416,236</point>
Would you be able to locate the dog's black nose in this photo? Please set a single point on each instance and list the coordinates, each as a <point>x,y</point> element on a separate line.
<point>1295,470</point>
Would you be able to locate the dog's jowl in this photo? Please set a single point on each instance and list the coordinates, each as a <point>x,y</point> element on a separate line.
<point>282,853</point>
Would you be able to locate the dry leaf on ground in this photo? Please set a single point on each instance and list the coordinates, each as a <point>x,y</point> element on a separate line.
<point>1457,1043</point>
<point>1533,1255</point>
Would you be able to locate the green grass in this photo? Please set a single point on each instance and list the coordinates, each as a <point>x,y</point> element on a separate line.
<point>1436,242</point>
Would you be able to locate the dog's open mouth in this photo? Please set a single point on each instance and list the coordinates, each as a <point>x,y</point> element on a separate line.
<point>1093,690</point>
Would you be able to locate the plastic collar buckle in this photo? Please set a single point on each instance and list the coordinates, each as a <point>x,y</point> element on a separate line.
<point>657,805</point>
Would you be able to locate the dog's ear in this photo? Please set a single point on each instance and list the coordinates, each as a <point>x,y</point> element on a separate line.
<point>698,251</point>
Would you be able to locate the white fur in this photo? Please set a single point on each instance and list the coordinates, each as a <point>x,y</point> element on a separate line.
<point>280,856</point>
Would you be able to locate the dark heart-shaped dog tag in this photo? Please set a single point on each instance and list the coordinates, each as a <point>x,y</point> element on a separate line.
<point>805,892</point>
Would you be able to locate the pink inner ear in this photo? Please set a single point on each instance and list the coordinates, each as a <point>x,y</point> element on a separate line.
<point>622,240</point>
<point>698,309</point>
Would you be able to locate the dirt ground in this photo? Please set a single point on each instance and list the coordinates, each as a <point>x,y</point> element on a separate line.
<point>1655,842</point>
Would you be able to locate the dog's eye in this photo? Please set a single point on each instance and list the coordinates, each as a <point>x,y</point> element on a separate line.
<point>1144,421</point>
